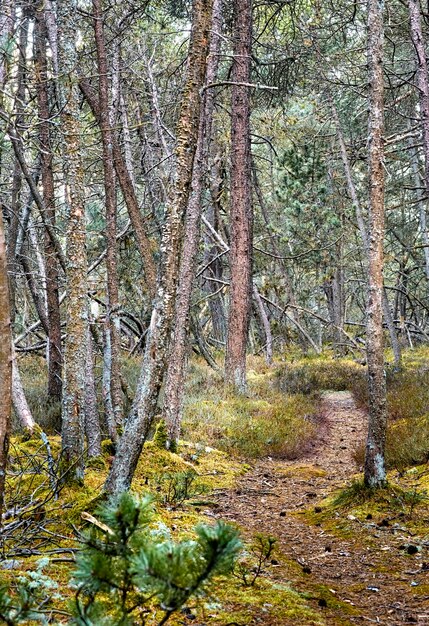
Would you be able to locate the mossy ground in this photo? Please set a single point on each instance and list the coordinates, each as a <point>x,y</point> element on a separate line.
<point>277,419</point>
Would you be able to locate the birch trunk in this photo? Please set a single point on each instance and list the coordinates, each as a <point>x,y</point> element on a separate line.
<point>157,343</point>
<point>375,473</point>
<point>19,401</point>
<point>241,218</point>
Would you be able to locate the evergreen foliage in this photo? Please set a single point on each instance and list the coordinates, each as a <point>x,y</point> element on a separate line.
<point>130,570</point>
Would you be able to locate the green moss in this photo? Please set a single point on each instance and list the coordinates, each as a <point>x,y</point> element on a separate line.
<point>160,437</point>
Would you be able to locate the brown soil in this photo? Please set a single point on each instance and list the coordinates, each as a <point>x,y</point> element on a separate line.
<point>361,573</point>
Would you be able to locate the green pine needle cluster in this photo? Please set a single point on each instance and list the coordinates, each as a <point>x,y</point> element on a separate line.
<point>130,570</point>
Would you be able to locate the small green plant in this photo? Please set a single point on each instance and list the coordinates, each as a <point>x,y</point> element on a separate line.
<point>129,571</point>
<point>176,488</point>
<point>250,567</point>
<point>33,599</point>
<point>410,499</point>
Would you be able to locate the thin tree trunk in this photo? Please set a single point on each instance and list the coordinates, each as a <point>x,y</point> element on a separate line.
<point>241,217</point>
<point>92,421</point>
<point>52,294</point>
<point>375,473</point>
<point>422,79</point>
<point>364,234</point>
<point>265,325</point>
<point>73,422</point>
<point>175,378</point>
<point>20,404</point>
<point>130,197</point>
<point>157,343</point>
<point>5,367</point>
<point>112,304</point>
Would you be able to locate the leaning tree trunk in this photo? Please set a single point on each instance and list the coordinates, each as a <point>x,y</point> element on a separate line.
<point>174,385</point>
<point>5,367</point>
<point>158,339</point>
<point>241,217</point>
<point>375,473</point>
<point>112,305</point>
<point>73,423</point>
<point>52,296</point>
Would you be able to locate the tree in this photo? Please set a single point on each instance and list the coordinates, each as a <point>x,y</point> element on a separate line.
<point>158,340</point>
<point>241,214</point>
<point>375,473</point>
<point>175,378</point>
<point>5,367</point>
<point>47,174</point>
<point>73,423</point>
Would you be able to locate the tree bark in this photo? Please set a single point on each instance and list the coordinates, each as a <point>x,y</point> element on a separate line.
<point>157,343</point>
<point>375,473</point>
<point>364,234</point>
<point>175,378</point>
<point>241,217</point>
<point>73,424</point>
<point>52,272</point>
<point>19,401</point>
<point>5,367</point>
<point>112,304</point>
<point>92,421</point>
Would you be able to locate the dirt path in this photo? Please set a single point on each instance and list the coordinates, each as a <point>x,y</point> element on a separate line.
<point>361,575</point>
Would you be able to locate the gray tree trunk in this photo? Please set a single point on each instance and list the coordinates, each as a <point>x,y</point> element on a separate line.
<point>73,413</point>
<point>158,337</point>
<point>375,473</point>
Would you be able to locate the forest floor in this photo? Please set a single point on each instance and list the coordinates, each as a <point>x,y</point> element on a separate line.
<point>351,562</point>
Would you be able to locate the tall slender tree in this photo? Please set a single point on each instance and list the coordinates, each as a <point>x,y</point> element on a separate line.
<point>375,473</point>
<point>175,379</point>
<point>241,213</point>
<point>5,367</point>
<point>46,157</point>
<point>112,318</point>
<point>73,423</point>
<point>158,340</point>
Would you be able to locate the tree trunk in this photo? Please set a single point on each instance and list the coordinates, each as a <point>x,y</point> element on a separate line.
<point>364,234</point>
<point>92,421</point>
<point>375,473</point>
<point>422,79</point>
<point>112,304</point>
<point>175,378</point>
<point>19,401</point>
<point>5,367</point>
<point>157,343</point>
<point>241,218</point>
<point>53,305</point>
<point>73,424</point>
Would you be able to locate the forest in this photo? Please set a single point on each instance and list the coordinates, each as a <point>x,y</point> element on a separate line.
<point>214,312</point>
